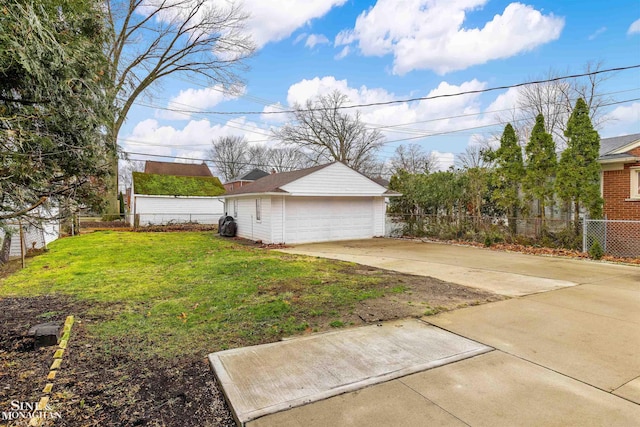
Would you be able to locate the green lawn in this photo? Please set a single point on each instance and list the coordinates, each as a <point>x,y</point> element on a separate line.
<point>170,294</point>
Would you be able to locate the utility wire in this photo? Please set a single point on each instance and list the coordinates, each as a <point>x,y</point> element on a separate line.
<point>441,133</point>
<point>402,101</point>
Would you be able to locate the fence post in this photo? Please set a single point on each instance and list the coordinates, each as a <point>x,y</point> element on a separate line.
<point>584,234</point>
<point>22,243</point>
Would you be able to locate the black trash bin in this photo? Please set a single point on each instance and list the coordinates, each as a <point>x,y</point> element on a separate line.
<point>228,227</point>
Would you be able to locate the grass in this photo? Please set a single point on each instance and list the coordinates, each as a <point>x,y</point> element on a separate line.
<point>170,294</point>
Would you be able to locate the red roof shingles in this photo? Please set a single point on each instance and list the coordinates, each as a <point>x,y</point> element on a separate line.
<point>177,169</point>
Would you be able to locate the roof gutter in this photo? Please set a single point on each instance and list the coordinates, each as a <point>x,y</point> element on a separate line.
<point>628,159</point>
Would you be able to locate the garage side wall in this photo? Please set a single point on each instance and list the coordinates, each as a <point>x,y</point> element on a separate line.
<point>249,227</point>
<point>379,216</point>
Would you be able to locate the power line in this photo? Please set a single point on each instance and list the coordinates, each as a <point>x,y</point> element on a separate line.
<point>448,132</point>
<point>402,101</point>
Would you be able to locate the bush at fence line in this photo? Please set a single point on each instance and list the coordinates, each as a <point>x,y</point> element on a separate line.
<point>596,251</point>
<point>493,230</point>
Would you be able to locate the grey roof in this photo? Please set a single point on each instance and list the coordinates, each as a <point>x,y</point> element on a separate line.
<point>381,181</point>
<point>253,175</point>
<point>607,145</point>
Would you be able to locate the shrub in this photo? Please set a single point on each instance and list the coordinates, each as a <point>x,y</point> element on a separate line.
<point>596,251</point>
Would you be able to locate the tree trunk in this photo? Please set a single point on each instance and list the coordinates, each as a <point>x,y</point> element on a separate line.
<point>576,216</point>
<point>6,249</point>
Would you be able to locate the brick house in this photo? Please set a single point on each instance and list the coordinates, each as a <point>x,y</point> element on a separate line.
<point>245,179</point>
<point>620,185</point>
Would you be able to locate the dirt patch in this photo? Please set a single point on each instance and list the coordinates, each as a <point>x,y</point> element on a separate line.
<point>96,387</point>
<point>414,296</point>
<point>109,384</point>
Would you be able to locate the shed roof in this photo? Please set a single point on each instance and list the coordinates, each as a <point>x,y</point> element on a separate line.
<point>177,169</point>
<point>171,185</point>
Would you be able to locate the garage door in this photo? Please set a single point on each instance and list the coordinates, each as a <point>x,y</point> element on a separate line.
<point>316,219</point>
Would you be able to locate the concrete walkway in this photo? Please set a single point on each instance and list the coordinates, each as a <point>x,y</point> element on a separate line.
<point>565,357</point>
<point>269,378</point>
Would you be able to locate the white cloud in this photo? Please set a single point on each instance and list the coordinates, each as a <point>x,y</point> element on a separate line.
<point>273,118</point>
<point>408,122</point>
<point>429,34</point>
<point>300,37</point>
<point>343,53</point>
<point>275,20</point>
<point>597,33</point>
<point>315,39</point>
<point>149,136</point>
<point>191,99</point>
<point>634,28</point>
<point>443,160</point>
<point>623,120</point>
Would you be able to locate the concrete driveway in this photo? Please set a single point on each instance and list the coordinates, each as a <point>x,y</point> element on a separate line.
<point>569,356</point>
<point>510,274</point>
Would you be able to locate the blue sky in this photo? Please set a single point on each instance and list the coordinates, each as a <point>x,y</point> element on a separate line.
<point>389,50</point>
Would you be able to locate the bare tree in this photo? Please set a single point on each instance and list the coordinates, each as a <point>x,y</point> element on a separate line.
<point>229,156</point>
<point>152,39</point>
<point>125,168</point>
<point>284,159</point>
<point>555,101</point>
<point>259,156</point>
<point>330,134</point>
<point>475,155</point>
<point>413,159</point>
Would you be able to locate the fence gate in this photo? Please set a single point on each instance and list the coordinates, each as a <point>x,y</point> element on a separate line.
<point>616,237</point>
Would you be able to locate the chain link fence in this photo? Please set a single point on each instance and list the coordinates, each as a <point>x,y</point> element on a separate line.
<point>550,232</point>
<point>619,238</point>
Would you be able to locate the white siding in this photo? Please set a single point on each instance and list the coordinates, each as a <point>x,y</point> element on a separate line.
<point>379,216</point>
<point>334,180</point>
<point>277,217</point>
<point>164,209</point>
<point>35,237</point>
<point>248,226</point>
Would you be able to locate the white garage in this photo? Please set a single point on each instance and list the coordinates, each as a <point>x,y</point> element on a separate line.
<point>324,203</point>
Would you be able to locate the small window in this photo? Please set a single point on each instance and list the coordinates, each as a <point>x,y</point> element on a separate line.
<point>235,209</point>
<point>258,209</point>
<point>635,183</point>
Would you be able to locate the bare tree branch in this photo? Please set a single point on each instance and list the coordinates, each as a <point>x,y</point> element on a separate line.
<point>331,135</point>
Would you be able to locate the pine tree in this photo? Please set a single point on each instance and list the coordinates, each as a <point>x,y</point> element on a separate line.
<point>508,174</point>
<point>541,166</point>
<point>578,178</point>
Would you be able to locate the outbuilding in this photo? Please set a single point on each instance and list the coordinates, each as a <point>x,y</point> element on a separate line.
<point>175,192</point>
<point>322,203</point>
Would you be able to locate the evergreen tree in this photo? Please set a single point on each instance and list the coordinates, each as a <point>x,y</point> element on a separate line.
<point>541,166</point>
<point>508,174</point>
<point>53,108</point>
<point>578,178</point>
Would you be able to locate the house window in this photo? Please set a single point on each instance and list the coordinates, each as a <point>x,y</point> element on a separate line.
<point>258,209</point>
<point>635,183</point>
<point>235,209</point>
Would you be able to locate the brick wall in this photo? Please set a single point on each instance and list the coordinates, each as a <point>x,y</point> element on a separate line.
<point>616,189</point>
